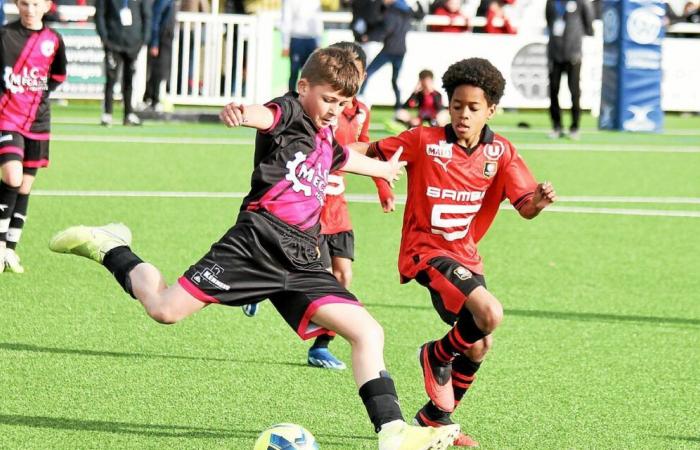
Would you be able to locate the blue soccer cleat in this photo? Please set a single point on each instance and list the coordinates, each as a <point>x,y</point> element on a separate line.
<point>250,310</point>
<point>323,358</point>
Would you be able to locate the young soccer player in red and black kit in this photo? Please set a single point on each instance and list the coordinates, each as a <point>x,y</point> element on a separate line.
<point>33,63</point>
<point>457,177</point>
<point>272,250</point>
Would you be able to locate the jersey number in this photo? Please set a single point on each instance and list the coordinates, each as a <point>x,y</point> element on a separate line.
<point>439,223</point>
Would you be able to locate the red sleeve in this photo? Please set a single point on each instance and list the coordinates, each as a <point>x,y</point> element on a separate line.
<point>519,183</point>
<point>364,132</point>
<point>409,140</point>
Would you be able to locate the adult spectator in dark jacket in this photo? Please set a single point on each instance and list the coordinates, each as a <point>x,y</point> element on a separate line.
<point>159,50</point>
<point>567,21</point>
<point>397,22</point>
<point>368,25</point>
<point>124,27</point>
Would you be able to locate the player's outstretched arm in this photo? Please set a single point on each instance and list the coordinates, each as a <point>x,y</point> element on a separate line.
<point>253,116</point>
<point>544,196</point>
<point>362,165</point>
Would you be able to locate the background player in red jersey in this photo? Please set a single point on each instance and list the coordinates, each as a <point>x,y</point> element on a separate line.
<point>33,63</point>
<point>337,241</point>
<point>427,100</point>
<point>457,177</point>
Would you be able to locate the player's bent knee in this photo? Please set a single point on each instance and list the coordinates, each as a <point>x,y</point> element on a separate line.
<point>491,317</point>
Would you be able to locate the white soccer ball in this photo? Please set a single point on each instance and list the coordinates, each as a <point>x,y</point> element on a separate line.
<point>286,436</point>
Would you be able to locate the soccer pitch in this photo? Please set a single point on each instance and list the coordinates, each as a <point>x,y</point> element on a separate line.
<point>599,348</point>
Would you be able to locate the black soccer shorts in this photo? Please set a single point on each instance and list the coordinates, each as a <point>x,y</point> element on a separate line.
<point>15,147</point>
<point>262,257</point>
<point>341,245</point>
<point>449,283</point>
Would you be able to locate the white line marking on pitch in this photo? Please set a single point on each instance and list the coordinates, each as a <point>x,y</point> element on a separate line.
<point>401,199</point>
<point>629,148</point>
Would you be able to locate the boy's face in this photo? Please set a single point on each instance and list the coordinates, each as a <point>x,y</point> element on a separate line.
<point>321,102</point>
<point>426,84</point>
<point>469,112</point>
<point>31,12</point>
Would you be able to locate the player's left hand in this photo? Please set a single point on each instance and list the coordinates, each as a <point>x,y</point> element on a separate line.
<point>395,167</point>
<point>544,195</point>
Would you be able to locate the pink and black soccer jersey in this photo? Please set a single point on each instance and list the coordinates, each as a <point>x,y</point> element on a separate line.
<point>33,63</point>
<point>292,162</point>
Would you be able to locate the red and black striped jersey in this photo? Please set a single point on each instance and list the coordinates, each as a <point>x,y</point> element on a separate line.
<point>33,63</point>
<point>453,193</point>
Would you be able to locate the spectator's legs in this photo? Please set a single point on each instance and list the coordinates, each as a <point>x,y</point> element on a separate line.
<point>112,61</point>
<point>555,70</point>
<point>396,63</point>
<point>376,64</point>
<point>574,76</point>
<point>127,79</point>
<point>299,51</point>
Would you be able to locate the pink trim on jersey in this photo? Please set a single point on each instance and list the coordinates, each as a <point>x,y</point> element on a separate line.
<point>36,164</point>
<point>194,291</point>
<point>59,78</point>
<point>15,150</point>
<point>295,207</point>
<point>276,112</point>
<point>10,126</point>
<point>311,310</point>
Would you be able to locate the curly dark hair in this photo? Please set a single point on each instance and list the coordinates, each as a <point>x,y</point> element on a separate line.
<point>477,72</point>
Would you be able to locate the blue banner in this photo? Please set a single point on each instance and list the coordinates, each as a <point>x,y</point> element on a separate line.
<point>631,89</point>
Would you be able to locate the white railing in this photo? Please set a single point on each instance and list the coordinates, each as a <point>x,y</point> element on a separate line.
<point>214,54</point>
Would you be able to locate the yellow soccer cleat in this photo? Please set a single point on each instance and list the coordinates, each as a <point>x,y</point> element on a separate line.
<point>91,242</point>
<point>11,263</point>
<point>399,435</point>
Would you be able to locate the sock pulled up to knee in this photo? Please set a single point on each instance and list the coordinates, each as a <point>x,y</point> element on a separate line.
<point>120,261</point>
<point>381,401</point>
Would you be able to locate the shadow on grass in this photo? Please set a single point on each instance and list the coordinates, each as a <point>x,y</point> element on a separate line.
<point>16,346</point>
<point>561,315</point>
<point>682,438</point>
<point>151,430</point>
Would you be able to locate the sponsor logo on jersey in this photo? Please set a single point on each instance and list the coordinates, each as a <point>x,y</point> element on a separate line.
<point>28,79</point>
<point>210,275</point>
<point>304,178</point>
<point>451,194</point>
<point>442,149</point>
<point>462,273</point>
<point>494,150</point>
<point>48,48</point>
<point>490,168</point>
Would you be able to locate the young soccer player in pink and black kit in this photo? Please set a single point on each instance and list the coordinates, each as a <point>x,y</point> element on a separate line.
<point>457,177</point>
<point>33,63</point>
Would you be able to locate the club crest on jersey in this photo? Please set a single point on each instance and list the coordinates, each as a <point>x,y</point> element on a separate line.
<point>462,273</point>
<point>494,150</point>
<point>490,168</point>
<point>48,48</point>
<point>305,178</point>
<point>441,150</point>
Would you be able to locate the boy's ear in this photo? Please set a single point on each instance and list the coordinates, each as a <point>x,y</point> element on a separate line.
<point>492,110</point>
<point>302,86</point>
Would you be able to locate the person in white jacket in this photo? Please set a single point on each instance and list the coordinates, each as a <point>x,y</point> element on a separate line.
<point>301,29</point>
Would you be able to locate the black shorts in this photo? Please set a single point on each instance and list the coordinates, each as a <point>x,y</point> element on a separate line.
<point>262,257</point>
<point>449,283</point>
<point>340,244</point>
<point>16,147</point>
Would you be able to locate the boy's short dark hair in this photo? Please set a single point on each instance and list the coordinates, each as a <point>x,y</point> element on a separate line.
<point>360,54</point>
<point>477,72</point>
<point>335,67</point>
<point>423,74</point>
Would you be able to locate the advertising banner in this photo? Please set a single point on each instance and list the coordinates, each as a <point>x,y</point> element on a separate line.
<point>632,72</point>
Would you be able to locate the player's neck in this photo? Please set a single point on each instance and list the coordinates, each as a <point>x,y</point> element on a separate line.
<point>32,26</point>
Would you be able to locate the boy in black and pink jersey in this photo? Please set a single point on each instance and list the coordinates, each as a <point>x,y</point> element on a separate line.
<point>33,63</point>
<point>458,175</point>
<point>272,250</point>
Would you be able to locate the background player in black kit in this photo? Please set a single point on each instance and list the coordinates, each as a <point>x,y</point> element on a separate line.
<point>272,250</point>
<point>33,63</point>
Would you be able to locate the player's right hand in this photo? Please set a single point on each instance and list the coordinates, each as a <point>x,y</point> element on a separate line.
<point>232,115</point>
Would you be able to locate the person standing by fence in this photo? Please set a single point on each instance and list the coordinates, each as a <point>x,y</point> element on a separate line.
<point>302,28</point>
